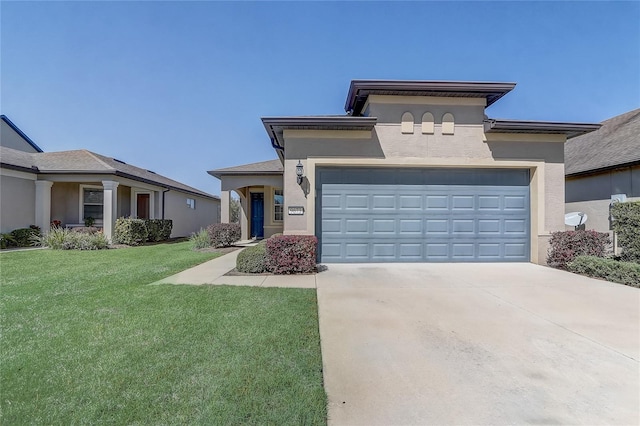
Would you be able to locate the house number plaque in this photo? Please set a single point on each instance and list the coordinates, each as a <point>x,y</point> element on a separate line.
<point>296,210</point>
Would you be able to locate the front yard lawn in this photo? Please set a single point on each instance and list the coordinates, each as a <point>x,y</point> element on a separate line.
<point>86,340</point>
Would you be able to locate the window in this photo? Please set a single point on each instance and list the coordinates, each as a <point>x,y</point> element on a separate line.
<point>191,203</point>
<point>278,205</point>
<point>92,203</point>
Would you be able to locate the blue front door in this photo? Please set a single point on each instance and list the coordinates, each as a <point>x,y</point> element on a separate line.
<point>257,215</point>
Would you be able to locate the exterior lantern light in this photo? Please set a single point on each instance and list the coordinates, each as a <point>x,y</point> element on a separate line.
<point>299,172</point>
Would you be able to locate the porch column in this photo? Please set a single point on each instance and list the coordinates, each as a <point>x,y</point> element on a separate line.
<point>110,207</point>
<point>43,205</point>
<point>224,206</point>
<point>244,222</point>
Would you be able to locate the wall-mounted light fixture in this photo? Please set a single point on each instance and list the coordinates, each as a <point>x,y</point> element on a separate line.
<point>299,172</point>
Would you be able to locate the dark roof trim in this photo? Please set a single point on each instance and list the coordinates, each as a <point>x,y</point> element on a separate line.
<point>603,169</point>
<point>20,132</point>
<point>32,169</point>
<point>546,127</point>
<point>219,174</point>
<point>359,90</point>
<point>275,125</point>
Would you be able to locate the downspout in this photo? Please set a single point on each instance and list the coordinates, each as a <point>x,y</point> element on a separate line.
<point>164,192</point>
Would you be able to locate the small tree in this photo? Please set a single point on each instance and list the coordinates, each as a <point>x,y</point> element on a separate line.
<point>234,210</point>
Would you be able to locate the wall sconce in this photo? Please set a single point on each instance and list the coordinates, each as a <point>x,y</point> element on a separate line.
<point>299,172</point>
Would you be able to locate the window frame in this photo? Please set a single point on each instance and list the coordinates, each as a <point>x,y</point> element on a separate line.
<point>81,203</point>
<point>275,205</point>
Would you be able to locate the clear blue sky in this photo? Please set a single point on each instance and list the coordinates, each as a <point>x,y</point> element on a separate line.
<point>179,87</point>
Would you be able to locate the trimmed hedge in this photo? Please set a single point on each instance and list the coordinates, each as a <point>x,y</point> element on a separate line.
<point>159,229</point>
<point>131,232</point>
<point>566,245</point>
<point>224,234</point>
<point>291,254</point>
<point>609,269</point>
<point>134,232</point>
<point>626,224</point>
<point>252,260</point>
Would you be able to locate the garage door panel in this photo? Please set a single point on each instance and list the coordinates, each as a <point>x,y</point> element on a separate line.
<point>402,217</point>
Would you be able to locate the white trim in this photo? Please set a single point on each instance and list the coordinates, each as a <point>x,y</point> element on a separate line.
<point>278,222</point>
<point>81,202</point>
<point>134,202</point>
<point>18,174</point>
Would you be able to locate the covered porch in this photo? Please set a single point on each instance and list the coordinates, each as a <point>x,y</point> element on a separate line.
<point>261,198</point>
<point>74,201</point>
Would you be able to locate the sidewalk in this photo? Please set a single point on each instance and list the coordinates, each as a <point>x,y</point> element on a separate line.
<point>212,272</point>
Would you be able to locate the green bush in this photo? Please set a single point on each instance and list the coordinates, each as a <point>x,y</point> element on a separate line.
<point>609,269</point>
<point>252,260</point>
<point>224,234</point>
<point>159,229</point>
<point>132,232</point>
<point>7,240</point>
<point>200,239</point>
<point>67,239</point>
<point>626,224</point>
<point>24,237</point>
<point>564,246</point>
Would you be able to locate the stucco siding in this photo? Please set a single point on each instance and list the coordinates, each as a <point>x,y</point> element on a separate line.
<point>17,202</point>
<point>187,220</point>
<point>65,202</point>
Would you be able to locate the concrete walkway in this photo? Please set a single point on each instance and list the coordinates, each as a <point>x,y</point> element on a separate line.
<point>213,273</point>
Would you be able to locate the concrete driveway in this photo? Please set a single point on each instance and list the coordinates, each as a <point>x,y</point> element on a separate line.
<point>477,344</point>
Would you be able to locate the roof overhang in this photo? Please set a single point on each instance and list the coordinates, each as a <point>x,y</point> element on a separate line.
<point>542,127</point>
<point>360,90</point>
<point>275,126</point>
<point>220,173</point>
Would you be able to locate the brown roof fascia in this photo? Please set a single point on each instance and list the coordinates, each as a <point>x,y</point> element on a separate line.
<point>218,174</point>
<point>359,90</point>
<point>603,169</point>
<point>548,127</point>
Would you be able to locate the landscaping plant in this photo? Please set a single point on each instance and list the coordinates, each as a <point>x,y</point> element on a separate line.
<point>224,234</point>
<point>609,269</point>
<point>291,254</point>
<point>67,239</point>
<point>253,260</point>
<point>200,239</point>
<point>626,225</point>
<point>566,245</point>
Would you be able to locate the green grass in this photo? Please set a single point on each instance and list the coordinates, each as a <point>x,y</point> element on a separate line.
<point>86,340</point>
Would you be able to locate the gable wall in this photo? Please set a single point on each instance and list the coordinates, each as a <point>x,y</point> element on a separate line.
<point>11,139</point>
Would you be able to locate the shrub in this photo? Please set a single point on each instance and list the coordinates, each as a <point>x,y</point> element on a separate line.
<point>200,239</point>
<point>224,234</point>
<point>7,240</point>
<point>626,224</point>
<point>23,237</point>
<point>611,270</point>
<point>252,259</point>
<point>67,239</point>
<point>86,229</point>
<point>291,254</point>
<point>132,232</point>
<point>159,229</point>
<point>566,245</point>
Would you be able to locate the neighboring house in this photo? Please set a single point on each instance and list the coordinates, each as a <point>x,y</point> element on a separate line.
<point>38,187</point>
<point>415,172</point>
<point>601,164</point>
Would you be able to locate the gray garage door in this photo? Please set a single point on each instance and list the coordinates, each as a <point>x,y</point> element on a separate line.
<point>423,215</point>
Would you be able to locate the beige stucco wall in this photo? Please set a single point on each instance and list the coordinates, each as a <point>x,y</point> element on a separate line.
<point>186,220</point>
<point>10,139</point>
<point>65,202</point>
<point>17,200</point>
<point>387,146</point>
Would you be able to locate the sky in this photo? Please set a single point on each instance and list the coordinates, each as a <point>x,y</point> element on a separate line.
<point>179,87</point>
